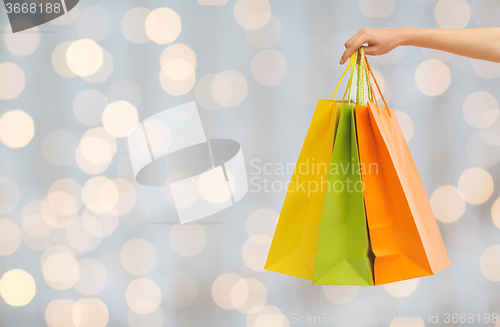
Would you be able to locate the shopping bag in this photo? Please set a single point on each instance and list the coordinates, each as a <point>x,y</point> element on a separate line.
<point>404,235</point>
<point>343,251</point>
<point>293,248</point>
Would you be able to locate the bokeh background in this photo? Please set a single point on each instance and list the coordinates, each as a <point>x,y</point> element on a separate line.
<point>83,244</point>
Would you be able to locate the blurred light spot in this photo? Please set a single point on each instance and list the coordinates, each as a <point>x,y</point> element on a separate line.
<point>138,256</point>
<point>62,203</point>
<point>90,313</point>
<point>163,25</point>
<point>93,22</point>
<point>452,13</point>
<point>100,224</point>
<point>215,190</point>
<point>262,222</point>
<point>265,37</point>
<point>269,315</point>
<point>104,71</point>
<point>476,184</point>
<point>119,118</point>
<point>490,263</point>
<point>269,67</point>
<point>10,237</point>
<point>178,69</point>
<point>204,94</point>
<point>9,195</point>
<point>67,18</point>
<point>406,124</point>
<point>179,289</point>
<point>22,43</point>
<point>64,197</point>
<point>154,319</point>
<point>89,165</point>
<point>92,278</point>
<point>126,196</point>
<point>229,88</point>
<point>60,271</point>
<point>391,57</point>
<point>124,89</point>
<point>340,294</point>
<point>221,290</point>
<point>33,220</point>
<point>134,25</point>
<point>491,134</point>
<point>480,152</point>
<point>81,240</point>
<point>58,147</point>
<point>479,107</point>
<point>96,150</point>
<point>448,204</point>
<point>100,194</point>
<point>495,212</point>
<point>17,287</point>
<point>59,60</point>
<point>16,128</point>
<point>436,54</point>
<point>248,295</point>
<point>176,87</point>
<point>252,14</point>
<point>486,69</point>
<point>376,9</point>
<point>413,321</point>
<point>486,13</point>
<point>178,51</point>
<point>187,240</point>
<point>255,252</point>
<point>84,57</point>
<point>143,296</point>
<point>59,313</point>
<point>308,85</point>
<point>38,243</point>
<point>433,77</point>
<point>88,107</point>
<point>212,2</point>
<point>402,289</point>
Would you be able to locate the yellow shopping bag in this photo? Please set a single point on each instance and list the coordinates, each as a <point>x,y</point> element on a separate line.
<point>293,249</point>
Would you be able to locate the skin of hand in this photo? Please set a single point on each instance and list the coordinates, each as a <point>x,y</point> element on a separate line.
<point>477,43</point>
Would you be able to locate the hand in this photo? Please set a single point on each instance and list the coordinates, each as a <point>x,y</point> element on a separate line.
<point>380,41</point>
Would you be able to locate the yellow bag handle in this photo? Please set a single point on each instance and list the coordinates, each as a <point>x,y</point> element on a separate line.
<point>350,65</point>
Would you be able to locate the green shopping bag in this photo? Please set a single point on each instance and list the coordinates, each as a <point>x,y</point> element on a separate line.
<point>343,255</point>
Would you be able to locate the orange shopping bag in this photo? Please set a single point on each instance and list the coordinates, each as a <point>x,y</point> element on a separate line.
<point>404,235</point>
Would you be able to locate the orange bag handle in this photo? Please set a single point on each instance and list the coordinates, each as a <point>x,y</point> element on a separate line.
<point>375,80</point>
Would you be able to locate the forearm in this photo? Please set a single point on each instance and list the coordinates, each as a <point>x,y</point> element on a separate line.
<point>478,43</point>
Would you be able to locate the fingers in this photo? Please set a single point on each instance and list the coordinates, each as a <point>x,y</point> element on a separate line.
<point>353,44</point>
<point>372,50</point>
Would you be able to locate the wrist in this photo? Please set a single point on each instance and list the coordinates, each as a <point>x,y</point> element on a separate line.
<point>406,35</point>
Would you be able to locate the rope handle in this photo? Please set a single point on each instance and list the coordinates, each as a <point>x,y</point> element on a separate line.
<point>341,77</point>
<point>358,63</point>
